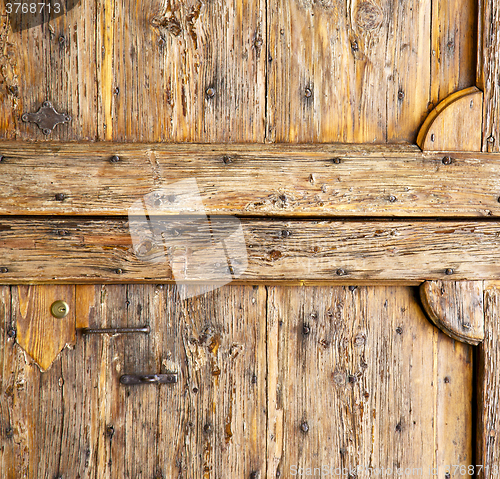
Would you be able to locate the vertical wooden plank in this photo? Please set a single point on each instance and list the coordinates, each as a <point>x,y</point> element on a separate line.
<point>183,71</point>
<point>217,416</point>
<point>7,449</point>
<point>347,71</point>
<point>453,56</point>
<point>53,61</point>
<point>488,396</point>
<point>359,377</point>
<point>488,71</point>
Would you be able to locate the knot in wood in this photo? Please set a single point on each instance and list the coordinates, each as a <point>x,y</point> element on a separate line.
<point>369,16</point>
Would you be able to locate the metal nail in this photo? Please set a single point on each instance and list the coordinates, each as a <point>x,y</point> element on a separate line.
<point>448,271</point>
<point>60,197</point>
<point>447,160</point>
<point>341,272</point>
<point>3,269</point>
<point>304,427</point>
<point>114,159</point>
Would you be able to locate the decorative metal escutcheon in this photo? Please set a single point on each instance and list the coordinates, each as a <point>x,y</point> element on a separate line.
<point>59,309</point>
<point>169,378</point>
<point>46,117</point>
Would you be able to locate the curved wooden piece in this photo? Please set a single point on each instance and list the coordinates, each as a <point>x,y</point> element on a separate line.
<point>39,334</point>
<point>455,307</point>
<point>455,124</point>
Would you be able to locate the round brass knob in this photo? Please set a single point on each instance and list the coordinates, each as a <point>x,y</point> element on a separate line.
<point>59,309</point>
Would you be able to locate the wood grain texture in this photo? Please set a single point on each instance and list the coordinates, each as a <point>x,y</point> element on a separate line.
<point>359,377</point>
<point>454,47</point>
<point>488,385</point>
<point>488,71</point>
<point>364,71</point>
<point>39,333</point>
<point>273,180</point>
<point>94,251</point>
<point>455,124</point>
<point>213,420</point>
<point>455,307</point>
<point>140,74</point>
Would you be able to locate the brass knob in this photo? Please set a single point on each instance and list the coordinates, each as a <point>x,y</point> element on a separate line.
<point>59,309</point>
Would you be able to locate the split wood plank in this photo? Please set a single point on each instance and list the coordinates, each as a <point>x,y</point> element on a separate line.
<point>213,419</point>
<point>39,333</point>
<point>95,251</point>
<point>488,384</point>
<point>488,71</point>
<point>455,124</point>
<point>359,377</point>
<point>455,307</point>
<point>306,180</point>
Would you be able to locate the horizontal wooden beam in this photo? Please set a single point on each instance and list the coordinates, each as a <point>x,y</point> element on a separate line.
<point>86,250</point>
<point>323,180</point>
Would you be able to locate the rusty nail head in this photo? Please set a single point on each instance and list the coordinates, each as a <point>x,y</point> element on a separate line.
<point>195,390</point>
<point>3,269</point>
<point>60,196</point>
<point>398,426</point>
<point>352,379</point>
<point>9,432</point>
<point>118,271</point>
<point>210,92</point>
<point>341,272</point>
<point>117,90</point>
<point>207,428</point>
<point>306,329</point>
<point>285,233</point>
<point>308,93</point>
<point>61,39</point>
<point>448,271</point>
<point>255,475</point>
<point>11,333</point>
<point>491,139</point>
<point>447,160</point>
<point>446,379</point>
<point>227,159</point>
<point>447,475</point>
<point>399,330</point>
<point>392,198</point>
<point>304,427</point>
<point>354,45</point>
<point>352,288</point>
<point>114,159</point>
<point>401,95</point>
<point>336,160</point>
<point>258,42</point>
<point>110,430</point>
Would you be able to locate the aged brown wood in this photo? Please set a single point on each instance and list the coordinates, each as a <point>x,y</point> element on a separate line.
<point>364,71</point>
<point>455,307</point>
<point>360,377</point>
<point>213,419</point>
<point>488,384</point>
<point>141,74</point>
<point>455,124</point>
<point>488,70</point>
<point>318,180</point>
<point>39,333</point>
<point>101,251</point>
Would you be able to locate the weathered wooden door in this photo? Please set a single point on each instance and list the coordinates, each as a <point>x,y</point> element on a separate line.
<point>265,202</point>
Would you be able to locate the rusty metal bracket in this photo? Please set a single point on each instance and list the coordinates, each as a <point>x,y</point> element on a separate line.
<point>46,117</point>
<point>129,379</point>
